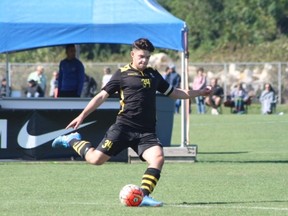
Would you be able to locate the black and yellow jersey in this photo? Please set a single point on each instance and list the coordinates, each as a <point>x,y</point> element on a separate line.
<point>137,91</point>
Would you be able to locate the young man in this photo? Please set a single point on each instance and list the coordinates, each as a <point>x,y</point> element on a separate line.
<point>135,125</point>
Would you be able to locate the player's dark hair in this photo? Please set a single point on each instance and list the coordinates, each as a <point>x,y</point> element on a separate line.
<point>143,44</point>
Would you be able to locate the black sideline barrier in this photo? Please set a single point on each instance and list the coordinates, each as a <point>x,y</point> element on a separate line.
<point>28,126</point>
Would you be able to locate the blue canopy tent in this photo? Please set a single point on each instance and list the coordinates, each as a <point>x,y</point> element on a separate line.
<point>34,24</point>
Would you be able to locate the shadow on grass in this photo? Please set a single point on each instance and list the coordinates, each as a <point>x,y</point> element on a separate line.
<point>235,161</point>
<point>244,152</point>
<point>227,203</point>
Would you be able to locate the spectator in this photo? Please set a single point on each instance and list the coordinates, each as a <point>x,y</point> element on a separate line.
<point>166,72</point>
<point>215,98</point>
<point>33,89</point>
<point>54,85</point>
<point>89,87</point>
<point>107,76</point>
<point>71,74</point>
<point>3,89</point>
<point>239,96</point>
<point>39,77</point>
<point>267,99</point>
<point>174,79</point>
<point>200,83</point>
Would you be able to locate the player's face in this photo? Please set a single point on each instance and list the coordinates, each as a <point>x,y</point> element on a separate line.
<point>140,59</point>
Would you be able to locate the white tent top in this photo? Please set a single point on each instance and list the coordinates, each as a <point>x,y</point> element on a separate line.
<point>33,24</point>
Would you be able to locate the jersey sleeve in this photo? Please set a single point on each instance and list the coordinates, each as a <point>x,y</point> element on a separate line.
<point>164,87</point>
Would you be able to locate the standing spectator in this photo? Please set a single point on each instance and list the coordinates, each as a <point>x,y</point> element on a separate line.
<point>106,77</point>
<point>174,79</point>
<point>215,98</point>
<point>166,72</point>
<point>3,89</point>
<point>200,83</point>
<point>239,96</point>
<point>54,85</point>
<point>71,74</point>
<point>33,89</point>
<point>267,99</point>
<point>39,77</point>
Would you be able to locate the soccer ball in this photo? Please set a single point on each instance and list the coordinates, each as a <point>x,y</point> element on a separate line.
<point>131,195</point>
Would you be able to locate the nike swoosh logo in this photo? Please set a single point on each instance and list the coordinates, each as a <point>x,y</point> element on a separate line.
<point>27,141</point>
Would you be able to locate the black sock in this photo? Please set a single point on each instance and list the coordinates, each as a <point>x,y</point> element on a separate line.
<point>149,180</point>
<point>81,147</point>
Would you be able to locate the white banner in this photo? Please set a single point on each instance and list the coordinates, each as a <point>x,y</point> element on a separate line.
<point>3,133</point>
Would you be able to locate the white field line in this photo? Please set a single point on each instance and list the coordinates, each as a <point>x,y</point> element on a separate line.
<point>263,208</point>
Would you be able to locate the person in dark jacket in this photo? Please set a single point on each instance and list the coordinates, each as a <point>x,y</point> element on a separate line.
<point>71,74</point>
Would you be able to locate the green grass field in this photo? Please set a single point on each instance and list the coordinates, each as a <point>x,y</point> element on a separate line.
<point>241,169</point>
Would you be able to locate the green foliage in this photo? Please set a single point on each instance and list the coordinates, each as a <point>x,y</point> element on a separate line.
<point>219,30</point>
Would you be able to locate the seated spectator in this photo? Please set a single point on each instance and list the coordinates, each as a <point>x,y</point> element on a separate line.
<point>39,77</point>
<point>33,89</point>
<point>89,87</point>
<point>3,89</point>
<point>267,99</point>
<point>239,96</point>
<point>215,98</point>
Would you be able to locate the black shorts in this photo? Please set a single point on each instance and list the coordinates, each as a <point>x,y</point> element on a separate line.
<point>120,137</point>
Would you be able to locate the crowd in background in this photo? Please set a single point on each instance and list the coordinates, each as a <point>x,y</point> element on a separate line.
<point>71,80</point>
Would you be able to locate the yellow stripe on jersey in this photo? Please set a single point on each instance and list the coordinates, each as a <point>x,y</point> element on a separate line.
<point>125,68</point>
<point>122,104</point>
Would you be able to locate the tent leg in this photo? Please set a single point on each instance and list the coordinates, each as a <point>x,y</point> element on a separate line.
<point>7,76</point>
<point>184,85</point>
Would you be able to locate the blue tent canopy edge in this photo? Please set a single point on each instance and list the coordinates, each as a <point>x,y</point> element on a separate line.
<point>28,24</point>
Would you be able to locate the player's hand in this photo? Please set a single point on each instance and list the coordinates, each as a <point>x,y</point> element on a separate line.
<point>75,123</point>
<point>206,91</point>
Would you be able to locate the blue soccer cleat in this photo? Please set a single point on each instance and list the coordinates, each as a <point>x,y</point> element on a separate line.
<point>149,202</point>
<point>63,141</point>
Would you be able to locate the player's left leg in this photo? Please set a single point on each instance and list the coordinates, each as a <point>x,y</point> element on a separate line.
<point>82,147</point>
<point>155,159</point>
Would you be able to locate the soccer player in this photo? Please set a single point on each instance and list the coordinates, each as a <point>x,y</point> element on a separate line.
<point>135,125</point>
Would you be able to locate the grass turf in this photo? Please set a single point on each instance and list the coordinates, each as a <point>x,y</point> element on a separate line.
<point>241,170</point>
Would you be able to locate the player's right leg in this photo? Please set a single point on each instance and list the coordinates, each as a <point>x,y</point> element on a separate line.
<point>154,156</point>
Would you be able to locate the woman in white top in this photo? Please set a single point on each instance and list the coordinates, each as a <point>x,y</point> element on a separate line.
<point>107,76</point>
<point>267,99</point>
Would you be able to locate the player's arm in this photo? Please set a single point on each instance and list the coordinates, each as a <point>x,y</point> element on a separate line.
<point>186,94</point>
<point>94,103</point>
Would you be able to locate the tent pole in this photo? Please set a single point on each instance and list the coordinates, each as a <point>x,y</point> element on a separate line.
<point>7,76</point>
<point>184,85</point>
